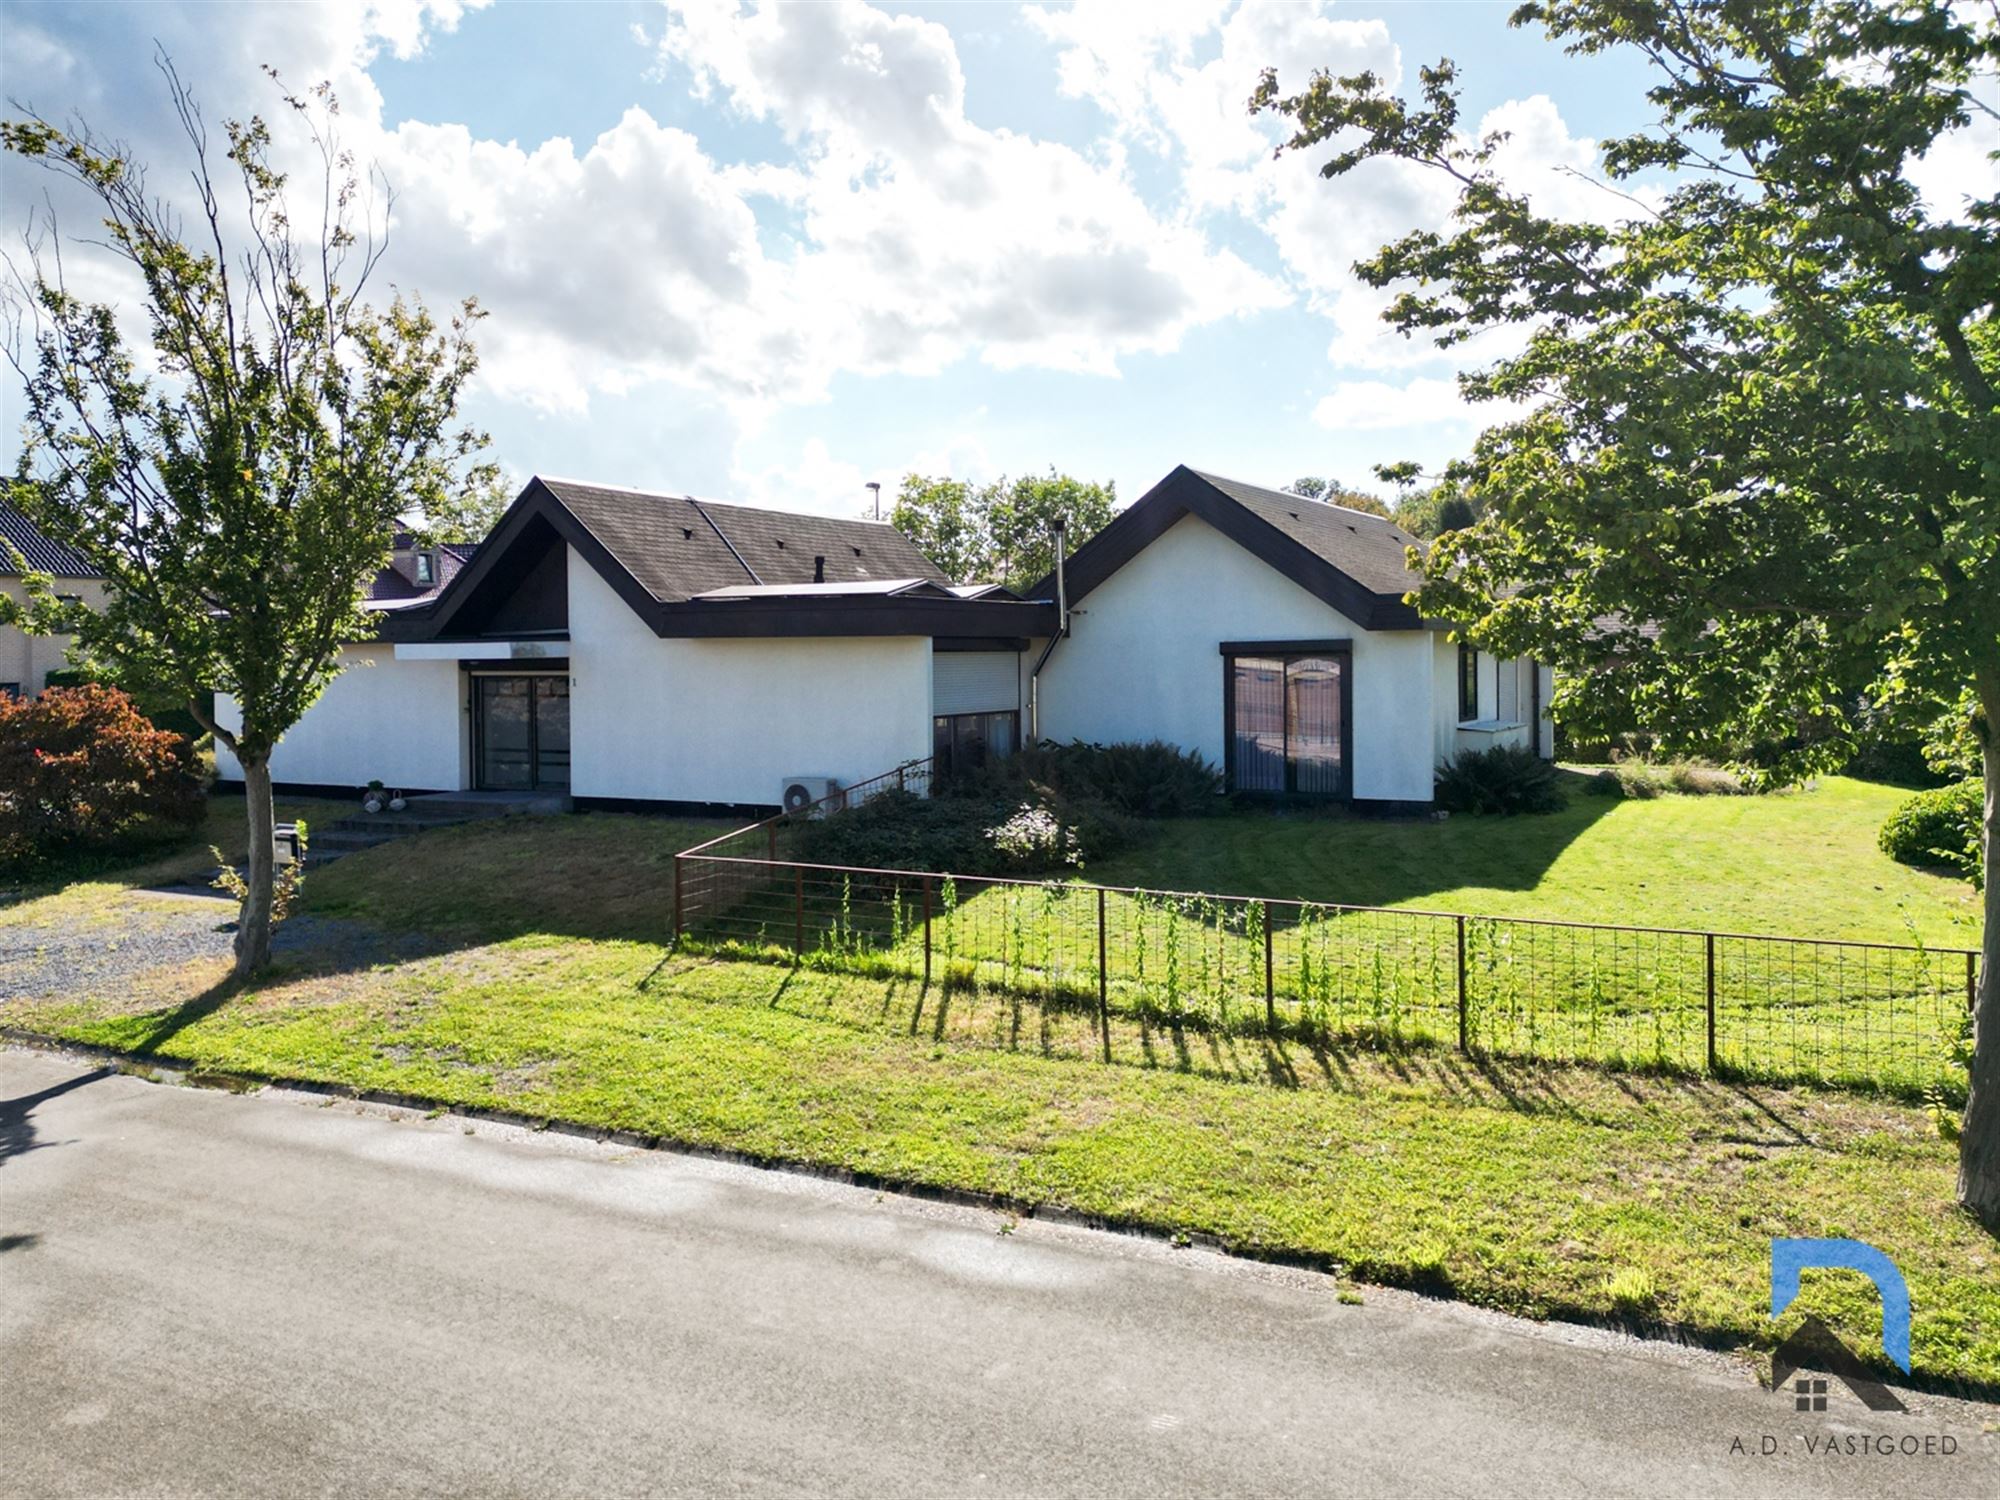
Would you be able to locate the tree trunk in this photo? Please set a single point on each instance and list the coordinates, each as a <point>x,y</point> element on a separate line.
<point>253,924</point>
<point>1979,1142</point>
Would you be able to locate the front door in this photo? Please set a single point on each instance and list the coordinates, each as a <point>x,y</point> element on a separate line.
<point>521,730</point>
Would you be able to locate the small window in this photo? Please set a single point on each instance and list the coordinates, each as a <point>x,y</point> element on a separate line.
<point>10,689</point>
<point>424,574</point>
<point>1468,684</point>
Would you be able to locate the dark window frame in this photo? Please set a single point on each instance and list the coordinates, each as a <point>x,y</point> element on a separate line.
<point>536,784</point>
<point>1468,683</point>
<point>944,757</point>
<point>425,570</point>
<point>1287,652</point>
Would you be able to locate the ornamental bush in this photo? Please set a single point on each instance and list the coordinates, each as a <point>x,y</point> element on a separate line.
<point>900,831</point>
<point>1151,780</point>
<point>1937,827</point>
<point>81,766</point>
<point>1504,779</point>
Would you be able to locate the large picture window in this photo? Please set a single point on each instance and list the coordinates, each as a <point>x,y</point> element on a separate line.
<point>1288,712</point>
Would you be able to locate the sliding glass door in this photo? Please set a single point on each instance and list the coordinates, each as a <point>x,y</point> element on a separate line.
<point>1287,729</point>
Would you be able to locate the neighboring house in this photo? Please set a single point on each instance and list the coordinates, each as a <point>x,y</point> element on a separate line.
<point>632,648</point>
<point>26,660</point>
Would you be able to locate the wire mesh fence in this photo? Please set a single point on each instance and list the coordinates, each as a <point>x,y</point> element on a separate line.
<point>1870,1015</point>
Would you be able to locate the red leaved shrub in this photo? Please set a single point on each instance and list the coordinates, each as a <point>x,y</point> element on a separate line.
<point>80,765</point>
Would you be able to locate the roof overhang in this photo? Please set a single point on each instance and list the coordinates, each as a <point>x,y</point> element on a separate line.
<point>911,614</point>
<point>901,607</point>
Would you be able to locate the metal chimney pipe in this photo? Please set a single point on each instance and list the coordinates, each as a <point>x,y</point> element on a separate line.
<point>819,570</point>
<point>874,488</point>
<point>1061,530</point>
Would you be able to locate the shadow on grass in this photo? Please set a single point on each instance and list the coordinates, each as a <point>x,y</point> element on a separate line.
<point>1282,851</point>
<point>164,1026</point>
<point>1723,1110</point>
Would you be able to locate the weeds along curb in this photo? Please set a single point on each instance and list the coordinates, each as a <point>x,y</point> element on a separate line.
<point>152,1068</point>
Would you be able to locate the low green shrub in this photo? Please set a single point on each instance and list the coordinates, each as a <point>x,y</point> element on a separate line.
<point>1153,780</point>
<point>1937,827</point>
<point>1688,778</point>
<point>1897,762</point>
<point>1505,779</point>
<point>1693,779</point>
<point>953,832</point>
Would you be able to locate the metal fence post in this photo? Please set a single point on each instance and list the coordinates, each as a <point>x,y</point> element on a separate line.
<point>1270,984</point>
<point>1971,980</point>
<point>799,910</point>
<point>927,931</point>
<point>1461,985</point>
<point>679,869</point>
<point>1103,981</point>
<point>1711,1001</point>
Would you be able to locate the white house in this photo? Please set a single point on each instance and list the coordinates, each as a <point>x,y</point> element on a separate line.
<point>26,660</point>
<point>636,649</point>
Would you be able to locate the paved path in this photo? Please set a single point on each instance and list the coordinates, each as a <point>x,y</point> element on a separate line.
<point>203,1293</point>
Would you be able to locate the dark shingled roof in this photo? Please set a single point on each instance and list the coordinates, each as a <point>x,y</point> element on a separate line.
<point>1370,549</point>
<point>391,588</point>
<point>43,555</point>
<point>676,547</point>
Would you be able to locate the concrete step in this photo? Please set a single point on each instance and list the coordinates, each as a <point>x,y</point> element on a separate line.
<point>466,805</point>
<point>365,830</point>
<point>392,825</point>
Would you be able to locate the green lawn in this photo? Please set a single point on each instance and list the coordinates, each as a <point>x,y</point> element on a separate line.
<point>597,875</point>
<point>1799,863</point>
<point>1532,1187</point>
<point>1529,1188</point>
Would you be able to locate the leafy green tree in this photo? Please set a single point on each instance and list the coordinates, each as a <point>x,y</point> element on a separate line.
<point>943,518</point>
<point>238,487</point>
<point>1021,514</point>
<point>999,532</point>
<point>1763,404</point>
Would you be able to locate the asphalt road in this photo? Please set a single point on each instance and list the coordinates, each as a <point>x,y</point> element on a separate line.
<point>203,1293</point>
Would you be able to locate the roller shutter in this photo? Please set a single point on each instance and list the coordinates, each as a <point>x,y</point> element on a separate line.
<point>975,682</point>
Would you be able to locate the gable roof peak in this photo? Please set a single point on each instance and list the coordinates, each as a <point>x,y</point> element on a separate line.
<point>1355,561</point>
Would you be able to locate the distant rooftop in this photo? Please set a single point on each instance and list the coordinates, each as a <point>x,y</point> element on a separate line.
<point>43,555</point>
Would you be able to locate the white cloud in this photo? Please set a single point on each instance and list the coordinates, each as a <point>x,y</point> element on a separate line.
<point>927,236</point>
<point>1372,405</point>
<point>1140,67</point>
<point>912,237</point>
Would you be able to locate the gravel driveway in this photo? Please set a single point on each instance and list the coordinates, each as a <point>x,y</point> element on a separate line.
<point>78,953</point>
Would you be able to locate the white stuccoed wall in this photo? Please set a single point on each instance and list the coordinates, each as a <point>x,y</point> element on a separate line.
<point>725,720</point>
<point>26,660</point>
<point>1142,663</point>
<point>398,722</point>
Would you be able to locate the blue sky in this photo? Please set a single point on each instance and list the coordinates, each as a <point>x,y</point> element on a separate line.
<point>771,254</point>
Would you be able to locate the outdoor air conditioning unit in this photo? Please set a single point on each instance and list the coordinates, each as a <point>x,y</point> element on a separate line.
<point>815,794</point>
